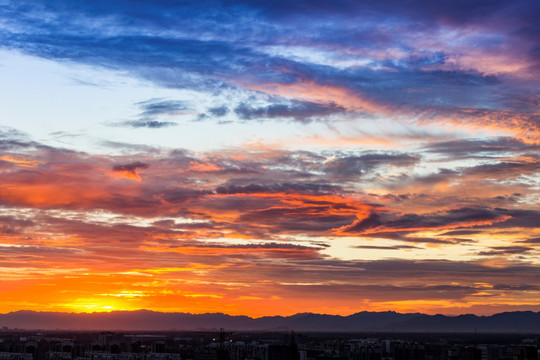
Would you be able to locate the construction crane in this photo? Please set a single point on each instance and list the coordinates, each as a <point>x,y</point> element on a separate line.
<point>223,353</point>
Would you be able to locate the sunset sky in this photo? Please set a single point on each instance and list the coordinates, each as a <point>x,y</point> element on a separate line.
<point>270,157</point>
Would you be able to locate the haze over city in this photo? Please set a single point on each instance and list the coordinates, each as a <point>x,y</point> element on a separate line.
<point>270,158</point>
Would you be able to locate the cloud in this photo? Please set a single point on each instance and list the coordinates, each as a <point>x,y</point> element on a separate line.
<point>264,193</point>
<point>302,111</point>
<point>461,232</point>
<point>154,109</point>
<point>218,111</point>
<point>392,292</point>
<point>508,168</point>
<point>480,147</point>
<point>129,147</point>
<point>506,250</point>
<point>394,247</point>
<point>292,188</point>
<point>463,217</point>
<point>519,218</point>
<point>11,225</point>
<point>387,66</point>
<point>214,112</point>
<point>535,240</point>
<point>151,124</point>
<point>516,287</point>
<point>270,222</point>
<point>358,165</point>
<point>131,167</point>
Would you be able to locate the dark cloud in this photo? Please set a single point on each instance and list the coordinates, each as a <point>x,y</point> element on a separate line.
<point>219,111</point>
<point>291,188</point>
<point>519,218</point>
<point>395,247</point>
<point>514,198</point>
<point>528,287</point>
<point>501,170</point>
<point>357,165</point>
<point>152,124</point>
<point>442,175</point>
<point>304,219</point>
<point>17,141</point>
<point>302,111</point>
<point>176,195</point>
<point>480,147</point>
<point>131,167</point>
<point>266,245</point>
<point>512,168</point>
<point>385,224</point>
<point>42,252</point>
<point>461,232</point>
<point>446,269</point>
<point>535,240</point>
<point>391,292</point>
<point>506,250</point>
<point>461,217</point>
<point>11,225</point>
<point>214,112</point>
<point>394,272</point>
<point>154,107</point>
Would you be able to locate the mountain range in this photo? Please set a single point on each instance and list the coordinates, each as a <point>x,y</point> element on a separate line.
<point>389,321</point>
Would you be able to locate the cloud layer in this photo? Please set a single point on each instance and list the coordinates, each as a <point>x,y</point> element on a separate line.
<point>243,229</point>
<point>473,65</point>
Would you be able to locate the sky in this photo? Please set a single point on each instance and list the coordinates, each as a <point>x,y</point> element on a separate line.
<point>270,158</point>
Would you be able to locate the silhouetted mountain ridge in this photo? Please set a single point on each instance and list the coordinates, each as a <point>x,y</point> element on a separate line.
<point>389,321</point>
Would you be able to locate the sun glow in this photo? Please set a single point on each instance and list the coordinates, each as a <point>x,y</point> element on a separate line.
<point>99,304</point>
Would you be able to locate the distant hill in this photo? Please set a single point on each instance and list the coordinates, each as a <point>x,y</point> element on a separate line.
<point>508,322</point>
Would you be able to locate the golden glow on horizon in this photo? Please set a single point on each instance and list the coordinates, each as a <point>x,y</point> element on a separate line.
<point>96,304</point>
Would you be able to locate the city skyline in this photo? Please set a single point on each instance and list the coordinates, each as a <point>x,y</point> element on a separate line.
<point>257,158</point>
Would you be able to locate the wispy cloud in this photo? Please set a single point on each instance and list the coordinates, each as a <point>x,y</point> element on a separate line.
<point>152,113</point>
<point>425,73</point>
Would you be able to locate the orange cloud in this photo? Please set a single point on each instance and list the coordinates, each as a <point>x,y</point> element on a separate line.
<point>20,161</point>
<point>307,89</point>
<point>248,232</point>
